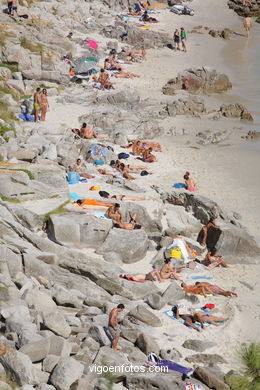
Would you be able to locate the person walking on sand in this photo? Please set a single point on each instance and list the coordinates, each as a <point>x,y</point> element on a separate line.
<point>37,104</point>
<point>183,39</point>
<point>177,38</point>
<point>248,25</point>
<point>113,326</point>
<point>44,104</point>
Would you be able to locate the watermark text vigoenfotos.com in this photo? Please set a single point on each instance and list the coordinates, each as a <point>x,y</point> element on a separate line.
<point>124,368</point>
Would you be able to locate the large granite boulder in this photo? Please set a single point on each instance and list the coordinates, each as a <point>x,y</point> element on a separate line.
<point>192,105</point>
<point>236,110</point>
<point>200,80</point>
<point>131,245</point>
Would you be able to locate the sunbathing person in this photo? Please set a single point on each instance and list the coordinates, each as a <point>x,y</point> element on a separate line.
<point>124,75</point>
<point>210,224</point>
<point>123,169</point>
<point>79,167</point>
<point>133,13</point>
<point>201,288</point>
<point>111,64</point>
<point>88,133</point>
<point>189,183</point>
<point>148,19</point>
<point>150,277</point>
<point>92,203</point>
<point>148,156</point>
<point>201,317</point>
<point>213,260</point>
<point>103,79</point>
<point>147,144</point>
<point>168,272</point>
<point>125,198</point>
<point>114,213</point>
<point>127,225</point>
<point>137,148</point>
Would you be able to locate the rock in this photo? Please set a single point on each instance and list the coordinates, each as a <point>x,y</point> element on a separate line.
<point>89,350</point>
<point>180,221</point>
<point>141,313</point>
<point>44,386</point>
<point>253,135</point>
<point>198,345</point>
<point>59,346</point>
<point>173,294</point>
<point>207,137</point>
<point>131,245</point>
<point>50,362</point>
<point>65,373</point>
<point>170,354</point>
<point>200,80</point>
<point>37,351</point>
<point>22,154</point>
<point>142,381</point>
<point>39,300</point>
<point>155,301</point>
<point>147,344</point>
<point>5,73</point>
<point>129,334</point>
<point>192,105</point>
<point>3,385</point>
<point>56,323</point>
<point>78,229</point>
<point>108,357</point>
<point>22,369</point>
<point>206,358</point>
<point>98,333</point>
<point>136,356</point>
<point>236,110</point>
<point>64,297</point>
<point>128,97</point>
<point>209,379</point>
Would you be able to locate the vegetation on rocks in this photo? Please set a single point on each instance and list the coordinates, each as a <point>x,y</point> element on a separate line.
<point>58,210</point>
<point>35,48</point>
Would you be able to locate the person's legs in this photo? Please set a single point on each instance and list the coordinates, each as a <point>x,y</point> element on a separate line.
<point>156,274</point>
<point>199,318</point>
<point>44,110</point>
<point>115,343</point>
<point>36,115</point>
<point>10,7</point>
<point>205,233</point>
<point>189,322</point>
<point>183,45</point>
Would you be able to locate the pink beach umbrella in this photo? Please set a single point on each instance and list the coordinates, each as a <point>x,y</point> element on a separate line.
<point>92,44</point>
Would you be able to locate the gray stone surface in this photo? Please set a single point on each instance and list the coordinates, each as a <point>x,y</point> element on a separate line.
<point>65,373</point>
<point>57,323</point>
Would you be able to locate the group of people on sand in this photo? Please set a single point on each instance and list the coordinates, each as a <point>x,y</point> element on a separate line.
<point>40,104</point>
<point>114,65</point>
<point>179,39</point>
<point>87,132</point>
<point>143,150</point>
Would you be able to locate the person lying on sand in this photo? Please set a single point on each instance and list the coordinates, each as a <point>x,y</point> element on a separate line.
<point>79,167</point>
<point>213,260</point>
<point>150,277</point>
<point>127,225</point>
<point>111,64</point>
<point>199,316</point>
<point>168,272</point>
<point>125,172</point>
<point>210,224</point>
<point>84,203</point>
<point>201,288</point>
<point>114,213</point>
<point>189,183</point>
<point>124,75</point>
<point>137,148</point>
<point>88,133</point>
<point>148,156</point>
<point>122,198</point>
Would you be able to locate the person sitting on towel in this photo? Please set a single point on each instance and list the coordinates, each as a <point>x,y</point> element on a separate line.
<point>148,156</point>
<point>114,213</point>
<point>189,182</point>
<point>148,19</point>
<point>88,133</point>
<point>213,260</point>
<point>79,167</point>
<point>168,272</point>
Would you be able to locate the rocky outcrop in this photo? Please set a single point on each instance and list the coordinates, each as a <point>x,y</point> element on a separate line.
<point>201,80</point>
<point>252,135</point>
<point>192,105</point>
<point>235,111</point>
<point>242,10</point>
<point>210,379</point>
<point>208,137</point>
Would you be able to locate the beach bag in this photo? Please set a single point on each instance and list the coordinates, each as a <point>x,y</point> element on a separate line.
<point>144,173</point>
<point>176,253</point>
<point>73,177</point>
<point>123,156</point>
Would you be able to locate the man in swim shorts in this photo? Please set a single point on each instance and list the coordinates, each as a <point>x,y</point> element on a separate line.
<point>37,104</point>
<point>113,326</point>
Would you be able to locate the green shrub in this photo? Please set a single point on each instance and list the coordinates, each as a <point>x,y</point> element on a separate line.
<point>13,66</point>
<point>33,47</point>
<point>7,199</point>
<point>58,210</point>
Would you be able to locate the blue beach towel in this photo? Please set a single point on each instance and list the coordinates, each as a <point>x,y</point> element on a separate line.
<point>179,185</point>
<point>73,177</point>
<point>74,196</point>
<point>201,277</point>
<point>26,117</point>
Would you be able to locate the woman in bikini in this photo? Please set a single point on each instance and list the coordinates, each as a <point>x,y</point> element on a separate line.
<point>150,277</point>
<point>189,183</point>
<point>168,272</point>
<point>148,156</point>
<point>44,104</point>
<point>212,260</point>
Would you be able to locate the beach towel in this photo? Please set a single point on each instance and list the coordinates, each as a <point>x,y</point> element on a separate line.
<point>130,279</point>
<point>26,117</point>
<point>170,314</point>
<point>192,386</point>
<point>179,185</point>
<point>75,196</point>
<point>201,277</point>
<point>154,360</point>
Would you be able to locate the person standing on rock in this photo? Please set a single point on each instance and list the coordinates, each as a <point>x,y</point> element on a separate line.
<point>37,104</point>
<point>113,326</point>
<point>44,104</point>
<point>248,25</point>
<point>14,7</point>
<point>10,7</point>
<point>183,39</point>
